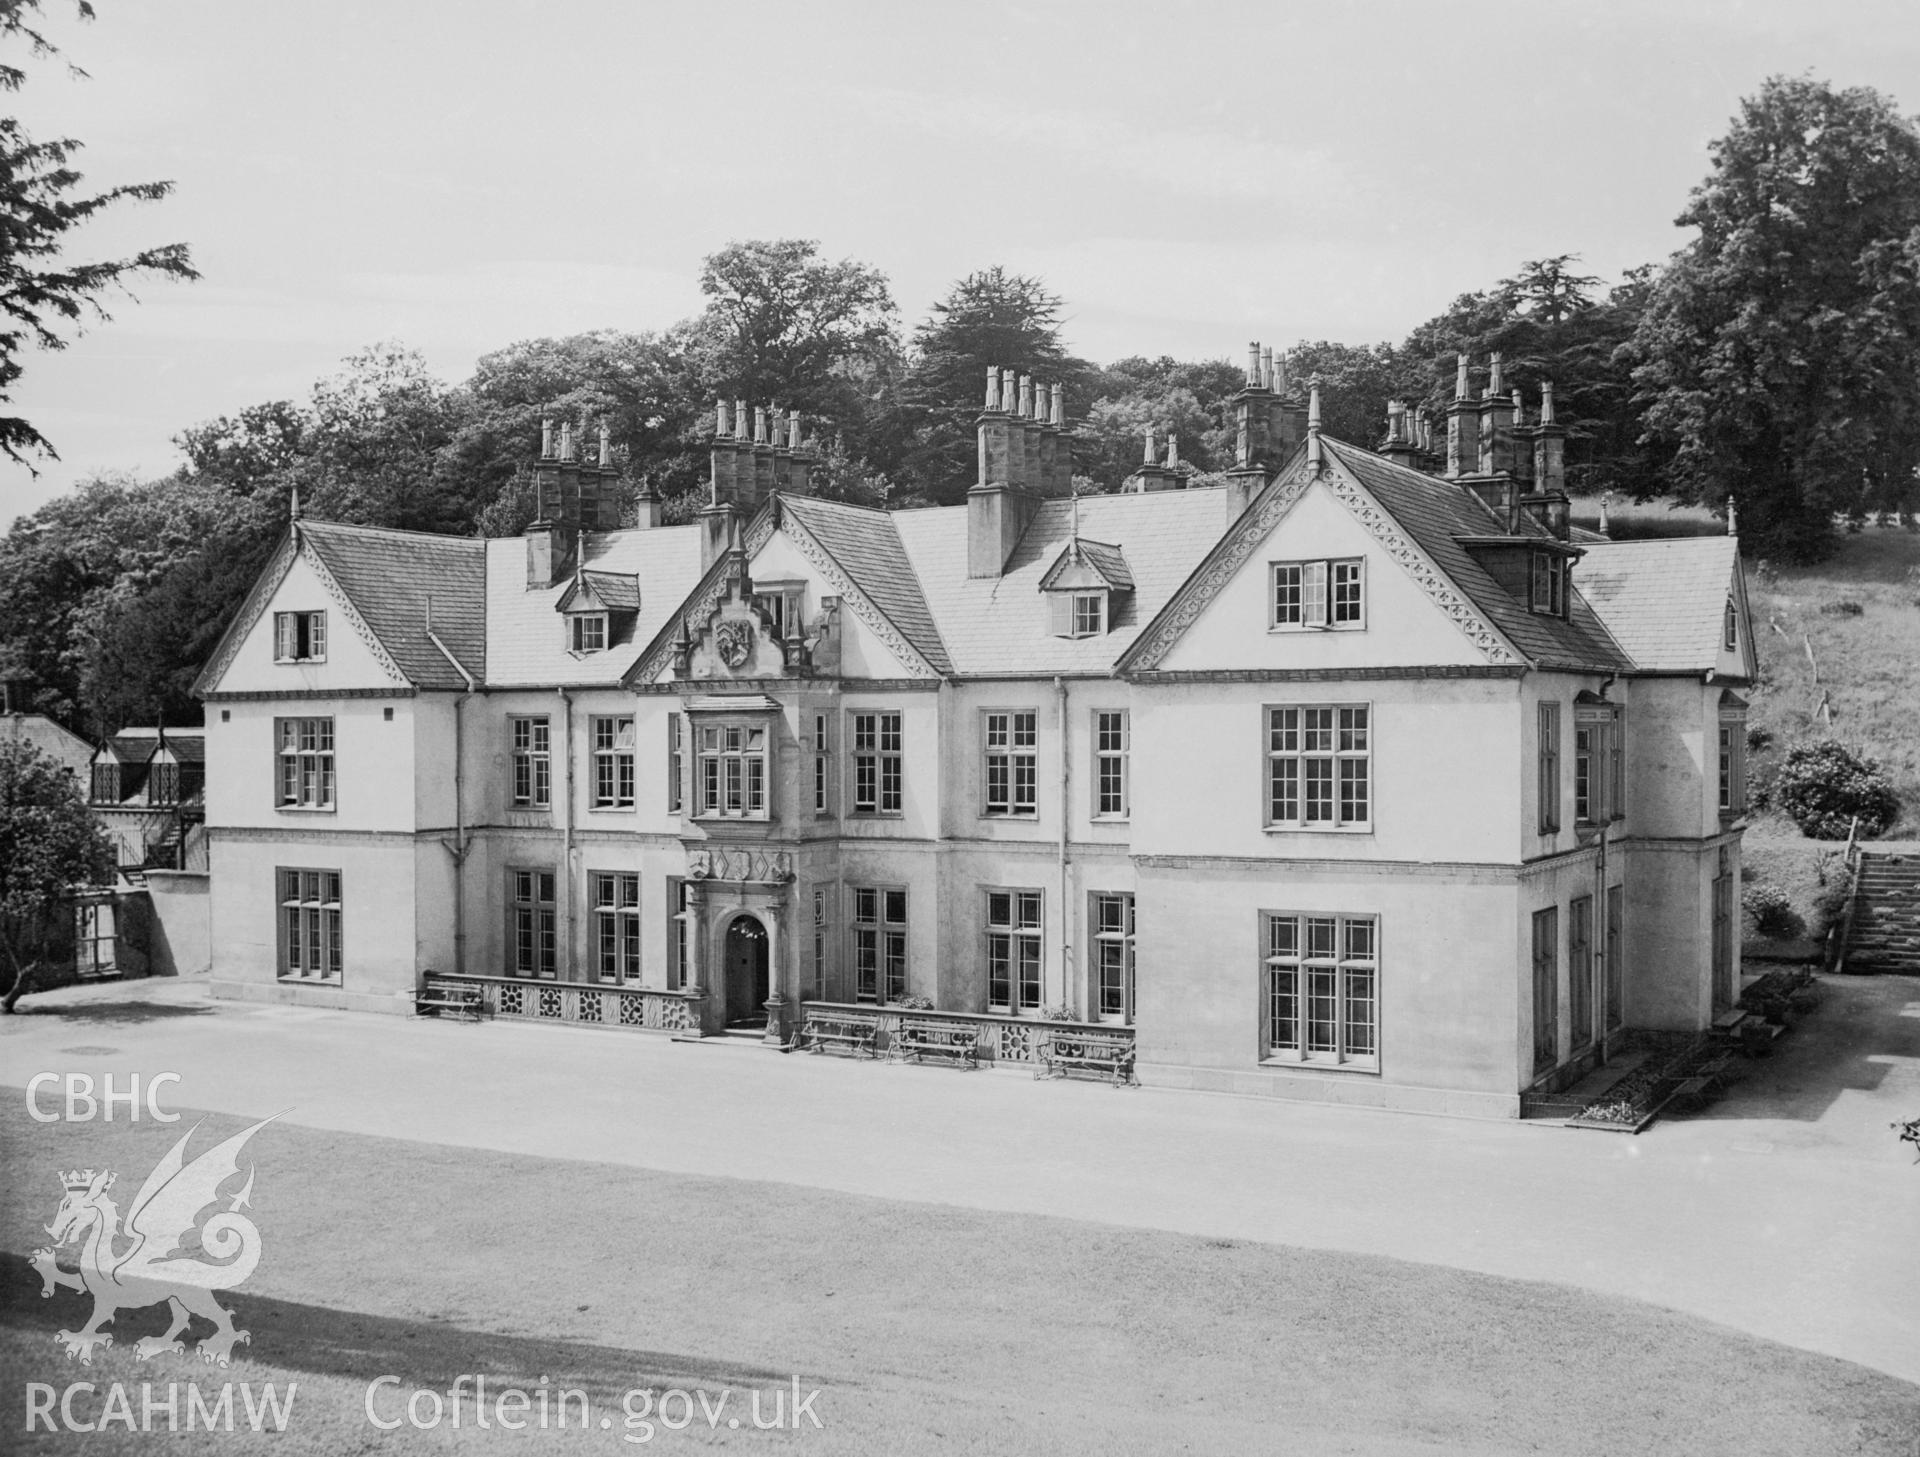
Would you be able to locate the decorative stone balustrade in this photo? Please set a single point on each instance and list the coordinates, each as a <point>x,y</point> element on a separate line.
<point>598,1004</point>
<point>1001,1039</point>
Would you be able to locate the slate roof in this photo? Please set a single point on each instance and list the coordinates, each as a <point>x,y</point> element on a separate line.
<point>526,636</point>
<point>389,575</point>
<point>1433,512</point>
<point>868,546</point>
<point>1098,562</point>
<point>137,745</point>
<point>615,591</point>
<point>1664,600</point>
<point>995,626</point>
<point>65,748</point>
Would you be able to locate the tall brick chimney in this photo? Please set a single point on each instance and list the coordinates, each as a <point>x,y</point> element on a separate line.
<point>1496,425</point>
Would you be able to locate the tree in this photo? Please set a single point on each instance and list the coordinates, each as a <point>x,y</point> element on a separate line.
<point>1547,322</point>
<point>1356,381</point>
<point>42,294</point>
<point>1779,356</point>
<point>1169,396</point>
<point>992,317</point>
<point>49,843</point>
<point>782,325</point>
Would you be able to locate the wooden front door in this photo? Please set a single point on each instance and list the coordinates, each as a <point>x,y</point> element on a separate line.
<point>746,971</point>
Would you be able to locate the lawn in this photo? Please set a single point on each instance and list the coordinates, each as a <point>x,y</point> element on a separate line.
<point>922,1326</point>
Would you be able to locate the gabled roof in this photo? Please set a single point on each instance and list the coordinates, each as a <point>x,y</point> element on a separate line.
<point>57,743</point>
<point>1086,563</point>
<point>867,546</point>
<point>601,591</point>
<point>1433,512</point>
<point>138,745</point>
<point>1664,600</point>
<point>390,576</point>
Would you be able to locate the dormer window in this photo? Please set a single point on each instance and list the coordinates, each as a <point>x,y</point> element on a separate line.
<point>1085,587</point>
<point>587,632</point>
<point>1549,584</point>
<point>1319,594</point>
<point>299,637</point>
<point>592,602</point>
<point>1079,614</point>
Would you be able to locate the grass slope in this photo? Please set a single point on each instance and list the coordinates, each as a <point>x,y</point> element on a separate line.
<point>924,1327</point>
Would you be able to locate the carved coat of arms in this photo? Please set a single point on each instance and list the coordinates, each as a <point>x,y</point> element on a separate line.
<point>734,642</point>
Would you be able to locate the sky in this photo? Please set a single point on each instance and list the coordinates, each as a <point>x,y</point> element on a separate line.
<point>462,174</point>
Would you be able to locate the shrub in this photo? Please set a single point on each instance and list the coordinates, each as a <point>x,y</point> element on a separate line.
<point>915,1004</point>
<point>1759,737</point>
<point>1060,1012</point>
<point>1830,905</point>
<point>1824,784</point>
<point>1848,608</point>
<point>1773,914</point>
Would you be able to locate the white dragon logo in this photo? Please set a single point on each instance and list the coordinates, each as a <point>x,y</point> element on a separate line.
<point>163,1214</point>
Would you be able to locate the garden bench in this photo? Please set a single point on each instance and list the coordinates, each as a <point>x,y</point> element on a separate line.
<point>918,1037</point>
<point>459,999</point>
<point>850,1032</point>
<point>1087,1050</point>
<point>1692,1093</point>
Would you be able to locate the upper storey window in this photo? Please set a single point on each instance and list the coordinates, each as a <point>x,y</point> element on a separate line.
<point>299,637</point>
<point>587,632</point>
<point>1730,633</point>
<point>1319,594</point>
<point>1549,584</point>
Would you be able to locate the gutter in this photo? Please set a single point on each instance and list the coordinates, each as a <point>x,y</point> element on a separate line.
<point>566,850</point>
<point>1066,802</point>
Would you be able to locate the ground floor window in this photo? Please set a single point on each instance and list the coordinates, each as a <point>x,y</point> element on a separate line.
<point>1013,950</point>
<point>616,925</point>
<point>822,939</point>
<point>879,943</point>
<point>1113,956</point>
<point>1580,969</point>
<point>310,924</point>
<point>1546,988</point>
<point>678,920</point>
<point>1323,989</point>
<point>532,923</point>
<point>1616,970</point>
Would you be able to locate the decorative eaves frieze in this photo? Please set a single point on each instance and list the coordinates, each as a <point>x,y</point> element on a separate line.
<point>1429,578</point>
<point>863,606</point>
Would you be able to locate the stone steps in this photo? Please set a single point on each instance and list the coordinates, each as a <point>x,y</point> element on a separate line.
<point>1885,934</point>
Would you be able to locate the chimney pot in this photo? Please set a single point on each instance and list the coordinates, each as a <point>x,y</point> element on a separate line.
<point>1460,386</point>
<point>1546,402</point>
<point>1253,365</point>
<point>1173,449</point>
<point>1147,459</point>
<point>546,438</point>
<point>1493,376</point>
<point>1059,405</point>
<point>993,388</point>
<point>606,446</point>
<point>566,440</point>
<point>740,420</point>
<point>722,425</point>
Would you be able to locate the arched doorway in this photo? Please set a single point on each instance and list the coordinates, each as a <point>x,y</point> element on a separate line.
<point>745,964</point>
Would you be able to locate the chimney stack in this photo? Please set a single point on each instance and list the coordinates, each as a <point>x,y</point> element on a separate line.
<point>1463,427</point>
<point>1401,447</point>
<point>1023,454</point>
<point>1496,425</point>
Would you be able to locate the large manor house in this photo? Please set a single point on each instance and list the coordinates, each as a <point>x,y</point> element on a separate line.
<point>1354,774</point>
